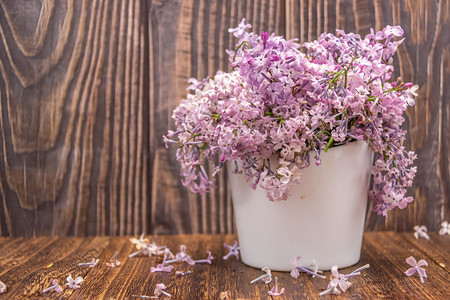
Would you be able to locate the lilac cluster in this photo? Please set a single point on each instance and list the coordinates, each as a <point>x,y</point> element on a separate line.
<point>279,106</point>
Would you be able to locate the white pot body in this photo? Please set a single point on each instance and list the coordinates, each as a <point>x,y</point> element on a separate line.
<point>323,219</point>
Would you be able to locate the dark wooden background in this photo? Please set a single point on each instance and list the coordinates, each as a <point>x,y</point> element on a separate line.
<point>87,89</point>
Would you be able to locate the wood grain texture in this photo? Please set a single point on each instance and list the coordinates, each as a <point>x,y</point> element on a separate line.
<point>29,273</point>
<point>87,89</point>
<point>74,115</point>
<point>189,39</point>
<point>384,251</point>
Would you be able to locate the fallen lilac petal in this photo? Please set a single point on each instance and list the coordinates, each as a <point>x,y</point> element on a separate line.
<point>266,278</point>
<point>295,272</point>
<point>161,268</point>
<point>182,273</point>
<point>310,272</point>
<point>233,250</point>
<point>54,287</point>
<point>445,228</point>
<point>139,242</point>
<point>2,287</point>
<point>421,232</point>
<point>74,283</point>
<point>113,262</point>
<point>160,287</point>
<point>274,291</point>
<point>341,280</point>
<point>91,264</point>
<point>207,260</point>
<point>416,267</point>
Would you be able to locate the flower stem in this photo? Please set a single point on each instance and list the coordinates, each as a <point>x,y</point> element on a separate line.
<point>310,272</point>
<point>329,144</point>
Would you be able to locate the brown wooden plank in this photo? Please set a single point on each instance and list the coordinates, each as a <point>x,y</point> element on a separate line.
<point>87,89</point>
<point>74,128</point>
<point>13,251</point>
<point>206,281</point>
<point>384,251</point>
<point>222,275</point>
<point>436,248</point>
<point>101,282</point>
<point>390,250</point>
<point>30,276</point>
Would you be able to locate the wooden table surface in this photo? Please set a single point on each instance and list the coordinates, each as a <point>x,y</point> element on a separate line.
<point>28,265</point>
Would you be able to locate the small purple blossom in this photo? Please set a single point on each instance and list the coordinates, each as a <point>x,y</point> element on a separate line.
<point>161,267</point>
<point>445,228</point>
<point>149,249</point>
<point>74,283</point>
<point>233,250</point>
<point>274,291</point>
<point>416,267</point>
<point>207,260</point>
<point>313,272</point>
<point>195,84</point>
<point>141,242</point>
<point>266,278</point>
<point>340,280</point>
<point>421,232</point>
<point>239,31</point>
<point>182,256</point>
<point>113,262</point>
<point>159,290</point>
<point>54,287</point>
<point>91,264</point>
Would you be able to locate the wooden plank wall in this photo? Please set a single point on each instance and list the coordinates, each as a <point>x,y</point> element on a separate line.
<point>87,89</point>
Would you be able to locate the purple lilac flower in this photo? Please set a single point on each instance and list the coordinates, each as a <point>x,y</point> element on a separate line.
<point>281,102</point>
<point>159,290</point>
<point>295,272</point>
<point>113,262</point>
<point>182,256</point>
<point>445,228</point>
<point>421,232</point>
<point>207,260</point>
<point>162,267</point>
<point>141,242</point>
<point>91,264</point>
<point>54,287</point>
<point>74,283</point>
<point>233,250</point>
<point>416,267</point>
<point>274,291</point>
<point>340,280</point>
<point>266,278</point>
<point>195,84</point>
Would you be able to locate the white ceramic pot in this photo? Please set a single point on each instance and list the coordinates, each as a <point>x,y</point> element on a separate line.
<point>322,220</point>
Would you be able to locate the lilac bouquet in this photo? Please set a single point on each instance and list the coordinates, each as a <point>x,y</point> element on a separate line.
<point>280,102</point>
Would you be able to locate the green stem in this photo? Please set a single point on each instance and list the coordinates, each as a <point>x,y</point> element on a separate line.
<point>329,144</point>
<point>239,47</point>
